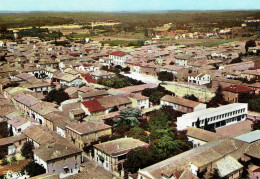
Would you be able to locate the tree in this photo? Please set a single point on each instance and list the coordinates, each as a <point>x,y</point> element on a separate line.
<point>191,97</point>
<point>126,69</point>
<point>254,104</point>
<point>34,169</point>
<point>138,133</point>
<point>245,173</point>
<point>198,123</point>
<point>256,125</point>
<point>138,158</point>
<point>57,96</point>
<point>11,133</point>
<point>3,130</point>
<point>250,43</point>
<point>165,76</point>
<point>27,150</point>
<point>217,99</point>
<point>214,174</point>
<point>4,161</point>
<point>13,159</point>
<point>128,117</point>
<point>155,97</point>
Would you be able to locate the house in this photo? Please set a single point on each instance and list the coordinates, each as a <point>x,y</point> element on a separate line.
<point>93,94</point>
<point>68,80</point>
<point>119,58</point>
<point>113,153</point>
<point>238,66</point>
<point>102,75</point>
<point>213,117</point>
<point>105,105</point>
<point>82,134</point>
<point>40,110</point>
<point>253,152</point>
<point>255,174</point>
<point>200,137</point>
<point>18,124</point>
<point>221,155</point>
<point>40,135</point>
<point>12,145</point>
<point>199,78</point>
<point>61,158</point>
<point>181,104</point>
<point>24,102</point>
<point>233,92</point>
<point>249,137</point>
<point>182,60</point>
<point>251,74</point>
<point>139,101</point>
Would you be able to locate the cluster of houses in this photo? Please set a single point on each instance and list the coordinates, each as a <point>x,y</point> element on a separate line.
<point>60,132</point>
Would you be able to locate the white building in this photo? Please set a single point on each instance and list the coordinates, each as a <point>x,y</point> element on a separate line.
<point>216,117</point>
<point>18,124</point>
<point>119,58</point>
<point>199,78</point>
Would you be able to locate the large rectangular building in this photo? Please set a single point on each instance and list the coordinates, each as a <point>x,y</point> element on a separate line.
<point>216,117</point>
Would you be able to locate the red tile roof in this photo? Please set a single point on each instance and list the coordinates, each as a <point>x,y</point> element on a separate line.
<point>93,105</point>
<point>117,53</point>
<point>74,54</point>
<point>238,89</point>
<point>89,78</point>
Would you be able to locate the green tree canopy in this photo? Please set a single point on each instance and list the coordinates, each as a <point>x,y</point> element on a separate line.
<point>250,43</point>
<point>57,96</point>
<point>191,97</point>
<point>27,150</point>
<point>165,76</point>
<point>34,169</point>
<point>128,117</point>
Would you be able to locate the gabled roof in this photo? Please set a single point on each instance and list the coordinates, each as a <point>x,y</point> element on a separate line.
<point>238,89</point>
<point>89,78</point>
<point>120,146</point>
<point>180,101</point>
<point>203,135</point>
<point>93,105</point>
<point>56,150</point>
<point>88,127</point>
<point>118,53</point>
<point>227,166</point>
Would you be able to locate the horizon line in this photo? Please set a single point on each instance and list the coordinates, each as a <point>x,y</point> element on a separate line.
<point>140,11</point>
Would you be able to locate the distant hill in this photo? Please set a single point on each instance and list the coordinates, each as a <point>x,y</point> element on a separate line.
<point>147,18</point>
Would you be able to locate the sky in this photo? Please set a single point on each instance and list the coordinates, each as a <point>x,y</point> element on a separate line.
<point>126,5</point>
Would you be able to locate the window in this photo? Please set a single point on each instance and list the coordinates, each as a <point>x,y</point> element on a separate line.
<point>76,157</point>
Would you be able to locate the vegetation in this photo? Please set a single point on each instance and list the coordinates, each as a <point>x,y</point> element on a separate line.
<point>191,97</point>
<point>217,99</point>
<point>13,159</point>
<point>256,125</point>
<point>165,76</point>
<point>27,150</point>
<point>128,117</point>
<point>3,130</point>
<point>57,96</point>
<point>221,19</point>
<point>136,43</point>
<point>34,169</point>
<point>164,141</point>
<point>4,161</point>
<point>155,94</point>
<point>119,81</point>
<point>254,104</point>
<point>250,43</point>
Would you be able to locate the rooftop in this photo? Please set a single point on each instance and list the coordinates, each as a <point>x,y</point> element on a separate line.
<point>88,127</point>
<point>120,146</point>
<point>250,137</point>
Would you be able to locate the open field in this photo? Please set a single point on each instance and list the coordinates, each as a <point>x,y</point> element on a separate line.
<point>228,18</point>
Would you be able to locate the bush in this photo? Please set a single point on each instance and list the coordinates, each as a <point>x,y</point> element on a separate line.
<point>34,169</point>
<point>27,150</point>
<point>4,161</point>
<point>13,159</point>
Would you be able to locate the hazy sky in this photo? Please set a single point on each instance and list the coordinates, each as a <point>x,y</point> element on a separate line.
<point>126,5</point>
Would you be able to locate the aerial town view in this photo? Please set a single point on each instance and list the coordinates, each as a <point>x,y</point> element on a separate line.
<point>130,89</point>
